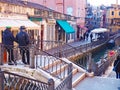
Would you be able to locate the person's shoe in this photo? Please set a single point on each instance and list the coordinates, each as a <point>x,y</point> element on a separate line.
<point>15,63</point>
<point>10,63</point>
<point>24,62</point>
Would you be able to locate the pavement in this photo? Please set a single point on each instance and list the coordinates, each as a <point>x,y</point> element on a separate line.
<point>107,81</point>
<point>109,73</point>
<point>99,83</point>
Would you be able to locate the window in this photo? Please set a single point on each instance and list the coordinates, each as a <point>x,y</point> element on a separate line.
<point>119,13</point>
<point>112,12</point>
<point>70,11</point>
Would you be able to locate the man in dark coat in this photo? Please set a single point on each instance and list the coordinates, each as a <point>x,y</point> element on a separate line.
<point>117,66</point>
<point>91,37</point>
<point>22,39</point>
<point>8,40</point>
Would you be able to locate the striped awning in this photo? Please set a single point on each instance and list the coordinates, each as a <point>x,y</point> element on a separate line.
<point>16,23</point>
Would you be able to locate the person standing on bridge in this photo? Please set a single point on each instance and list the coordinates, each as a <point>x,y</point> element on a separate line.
<point>117,67</point>
<point>22,39</point>
<point>8,41</point>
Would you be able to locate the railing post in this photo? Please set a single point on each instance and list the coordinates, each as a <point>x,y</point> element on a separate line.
<point>32,57</point>
<point>1,80</point>
<point>89,62</point>
<point>51,85</point>
<point>69,84</point>
<point>1,54</point>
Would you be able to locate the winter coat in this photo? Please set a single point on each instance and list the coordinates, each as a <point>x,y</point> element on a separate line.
<point>118,65</point>
<point>22,38</point>
<point>8,37</point>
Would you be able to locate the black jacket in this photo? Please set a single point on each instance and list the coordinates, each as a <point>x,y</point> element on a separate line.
<point>8,37</point>
<point>22,38</point>
<point>117,62</point>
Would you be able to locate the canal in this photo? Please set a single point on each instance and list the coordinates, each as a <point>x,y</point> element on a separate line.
<point>96,56</point>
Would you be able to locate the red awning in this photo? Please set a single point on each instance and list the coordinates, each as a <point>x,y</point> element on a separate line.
<point>83,27</point>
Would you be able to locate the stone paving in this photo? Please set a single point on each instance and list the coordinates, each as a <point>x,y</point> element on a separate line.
<point>107,81</point>
<point>99,83</point>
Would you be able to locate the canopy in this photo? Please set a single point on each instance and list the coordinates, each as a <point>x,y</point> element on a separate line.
<point>15,23</point>
<point>65,26</point>
<point>99,30</point>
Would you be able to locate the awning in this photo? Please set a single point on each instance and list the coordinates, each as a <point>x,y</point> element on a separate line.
<point>99,30</point>
<point>66,26</point>
<point>15,23</point>
<point>35,19</point>
<point>83,27</point>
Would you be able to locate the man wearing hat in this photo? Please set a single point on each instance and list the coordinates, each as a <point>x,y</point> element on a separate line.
<point>22,39</point>
<point>8,40</point>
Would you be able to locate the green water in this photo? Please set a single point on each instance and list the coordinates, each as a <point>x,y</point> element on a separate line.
<point>96,57</point>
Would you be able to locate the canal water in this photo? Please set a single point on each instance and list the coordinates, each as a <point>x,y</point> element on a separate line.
<point>96,56</point>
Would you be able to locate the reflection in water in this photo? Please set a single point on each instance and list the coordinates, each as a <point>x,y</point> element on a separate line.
<point>96,56</point>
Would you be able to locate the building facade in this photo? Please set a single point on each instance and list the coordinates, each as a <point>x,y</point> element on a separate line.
<point>40,21</point>
<point>71,7</point>
<point>113,18</point>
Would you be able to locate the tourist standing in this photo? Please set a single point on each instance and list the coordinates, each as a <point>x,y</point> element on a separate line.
<point>117,67</point>
<point>8,40</point>
<point>91,37</point>
<point>22,39</point>
<point>87,35</point>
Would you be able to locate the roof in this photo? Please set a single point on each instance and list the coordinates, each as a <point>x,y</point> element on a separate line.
<point>28,4</point>
<point>99,30</point>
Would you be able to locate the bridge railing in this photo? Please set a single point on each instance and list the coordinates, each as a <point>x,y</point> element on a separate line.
<point>67,82</point>
<point>38,59</point>
<point>104,63</point>
<point>12,81</point>
<point>72,51</point>
<point>51,64</point>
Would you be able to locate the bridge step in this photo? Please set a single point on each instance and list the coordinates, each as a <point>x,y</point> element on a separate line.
<point>77,78</point>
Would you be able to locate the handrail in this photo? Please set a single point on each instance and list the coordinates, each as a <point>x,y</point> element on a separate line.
<point>66,82</point>
<point>52,64</point>
<point>14,81</point>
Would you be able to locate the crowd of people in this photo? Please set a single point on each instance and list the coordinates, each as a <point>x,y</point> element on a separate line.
<point>86,36</point>
<point>23,41</point>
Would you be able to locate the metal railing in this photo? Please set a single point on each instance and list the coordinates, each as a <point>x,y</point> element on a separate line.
<point>67,82</point>
<point>38,59</point>
<point>51,64</point>
<point>100,68</point>
<point>12,81</point>
<point>61,49</point>
<point>71,51</point>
